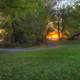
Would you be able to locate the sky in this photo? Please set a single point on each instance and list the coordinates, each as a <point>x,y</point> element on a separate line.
<point>65,3</point>
<point>68,2</point>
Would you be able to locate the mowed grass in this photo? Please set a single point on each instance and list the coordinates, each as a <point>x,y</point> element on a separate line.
<point>61,63</point>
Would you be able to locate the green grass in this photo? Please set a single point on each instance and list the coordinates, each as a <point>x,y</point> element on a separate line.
<point>53,64</point>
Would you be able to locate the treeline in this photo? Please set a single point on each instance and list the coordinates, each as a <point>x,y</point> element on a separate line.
<point>25,20</point>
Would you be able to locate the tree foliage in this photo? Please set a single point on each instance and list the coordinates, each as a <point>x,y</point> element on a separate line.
<point>72,18</point>
<point>26,19</point>
<point>28,16</point>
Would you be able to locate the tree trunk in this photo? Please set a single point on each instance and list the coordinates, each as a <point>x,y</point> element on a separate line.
<point>63,27</point>
<point>58,30</point>
<point>13,40</point>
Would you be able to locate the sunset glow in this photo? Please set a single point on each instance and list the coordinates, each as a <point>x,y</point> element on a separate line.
<point>54,36</point>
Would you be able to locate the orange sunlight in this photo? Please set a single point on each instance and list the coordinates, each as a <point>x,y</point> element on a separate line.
<point>54,36</point>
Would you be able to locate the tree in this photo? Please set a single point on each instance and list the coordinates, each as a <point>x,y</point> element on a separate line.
<point>72,18</point>
<point>26,15</point>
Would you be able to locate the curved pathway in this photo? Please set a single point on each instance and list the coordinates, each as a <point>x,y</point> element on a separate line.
<point>28,49</point>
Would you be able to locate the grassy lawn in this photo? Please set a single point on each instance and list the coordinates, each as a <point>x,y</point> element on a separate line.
<point>53,64</point>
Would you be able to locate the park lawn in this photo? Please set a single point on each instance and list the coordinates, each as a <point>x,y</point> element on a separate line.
<point>61,63</point>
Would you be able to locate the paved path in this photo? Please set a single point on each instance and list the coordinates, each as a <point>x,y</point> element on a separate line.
<point>28,49</point>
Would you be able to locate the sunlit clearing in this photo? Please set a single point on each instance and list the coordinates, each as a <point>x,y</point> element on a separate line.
<point>2,35</point>
<point>2,31</point>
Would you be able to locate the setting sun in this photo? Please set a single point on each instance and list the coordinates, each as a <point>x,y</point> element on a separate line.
<point>54,36</point>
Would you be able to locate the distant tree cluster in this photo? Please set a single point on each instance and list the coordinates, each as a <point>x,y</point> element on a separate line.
<point>25,20</point>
